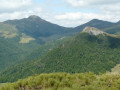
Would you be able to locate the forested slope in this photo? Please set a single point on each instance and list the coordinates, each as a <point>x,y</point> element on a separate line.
<point>83,53</point>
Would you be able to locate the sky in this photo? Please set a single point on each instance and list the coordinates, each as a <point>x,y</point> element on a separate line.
<point>67,13</point>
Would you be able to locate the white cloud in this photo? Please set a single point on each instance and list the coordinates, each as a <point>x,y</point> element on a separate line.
<point>20,14</point>
<point>107,10</point>
<point>87,3</point>
<point>12,5</point>
<point>79,15</point>
<point>73,19</point>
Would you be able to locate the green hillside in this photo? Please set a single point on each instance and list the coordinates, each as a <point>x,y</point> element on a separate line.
<point>66,81</point>
<point>37,53</point>
<point>83,53</point>
<point>36,27</point>
<point>19,42</point>
<point>9,53</point>
<point>113,30</point>
<point>8,31</point>
<point>48,46</point>
<point>14,53</point>
<point>15,45</point>
<point>11,50</point>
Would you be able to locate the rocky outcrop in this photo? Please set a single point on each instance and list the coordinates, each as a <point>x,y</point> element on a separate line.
<point>92,31</point>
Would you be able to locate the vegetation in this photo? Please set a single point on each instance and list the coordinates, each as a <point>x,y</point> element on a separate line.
<point>15,45</point>
<point>25,39</point>
<point>83,53</point>
<point>116,69</point>
<point>8,31</point>
<point>36,27</point>
<point>66,81</point>
<point>39,28</point>
<point>113,30</point>
<point>25,45</point>
<point>9,53</point>
<point>37,53</point>
<point>12,53</point>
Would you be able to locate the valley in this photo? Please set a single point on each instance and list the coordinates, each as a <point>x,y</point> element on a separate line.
<point>35,53</point>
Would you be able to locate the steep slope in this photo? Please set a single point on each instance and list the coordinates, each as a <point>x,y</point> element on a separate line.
<point>85,52</point>
<point>14,45</point>
<point>22,40</point>
<point>23,36</point>
<point>36,27</point>
<point>9,53</point>
<point>37,53</point>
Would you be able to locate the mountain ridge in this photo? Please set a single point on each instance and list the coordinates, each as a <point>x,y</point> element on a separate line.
<point>82,53</point>
<point>32,32</point>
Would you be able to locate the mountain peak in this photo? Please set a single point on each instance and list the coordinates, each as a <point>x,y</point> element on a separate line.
<point>96,20</point>
<point>34,17</point>
<point>118,22</point>
<point>92,31</point>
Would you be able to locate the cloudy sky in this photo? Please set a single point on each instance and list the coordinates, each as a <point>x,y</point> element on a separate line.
<point>68,13</point>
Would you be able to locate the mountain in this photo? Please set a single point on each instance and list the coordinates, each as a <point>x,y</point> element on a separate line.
<point>42,30</point>
<point>36,27</point>
<point>113,29</point>
<point>23,36</point>
<point>100,24</point>
<point>12,52</point>
<point>30,38</point>
<point>118,22</point>
<point>65,81</point>
<point>91,50</point>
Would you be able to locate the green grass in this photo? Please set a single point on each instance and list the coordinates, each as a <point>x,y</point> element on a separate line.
<point>25,39</point>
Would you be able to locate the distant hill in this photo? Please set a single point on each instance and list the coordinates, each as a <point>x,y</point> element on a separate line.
<point>113,29</point>
<point>91,50</point>
<point>36,27</point>
<point>100,24</point>
<point>118,22</point>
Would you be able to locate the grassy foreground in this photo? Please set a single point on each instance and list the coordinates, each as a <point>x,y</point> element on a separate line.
<point>66,81</point>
